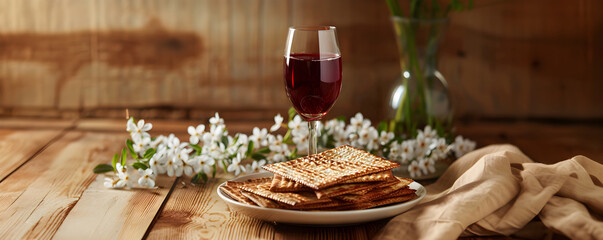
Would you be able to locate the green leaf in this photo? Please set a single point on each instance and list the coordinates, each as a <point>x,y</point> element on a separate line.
<point>470,5</point>
<point>341,119</point>
<point>149,153</point>
<point>225,141</point>
<point>197,148</point>
<point>394,7</point>
<point>103,168</point>
<point>198,177</point>
<point>224,165</point>
<point>139,165</point>
<point>382,127</point>
<point>249,148</point>
<point>258,156</point>
<point>292,113</point>
<point>263,150</point>
<point>115,160</point>
<point>124,152</point>
<point>133,153</point>
<point>213,174</point>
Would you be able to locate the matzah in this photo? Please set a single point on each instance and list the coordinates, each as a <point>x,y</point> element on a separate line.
<point>374,177</point>
<point>331,167</point>
<point>281,184</point>
<point>260,201</point>
<point>377,193</point>
<point>295,199</point>
<point>235,192</point>
<point>351,187</point>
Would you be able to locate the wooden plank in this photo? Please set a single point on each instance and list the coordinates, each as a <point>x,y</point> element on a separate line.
<point>18,146</point>
<point>35,123</point>
<point>35,200</point>
<point>103,213</point>
<point>543,142</point>
<point>161,126</point>
<point>196,212</point>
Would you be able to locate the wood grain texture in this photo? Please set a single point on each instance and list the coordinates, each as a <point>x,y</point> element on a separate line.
<point>103,213</point>
<point>180,59</point>
<point>196,212</point>
<point>55,194</point>
<point>18,146</point>
<point>35,123</point>
<point>37,198</point>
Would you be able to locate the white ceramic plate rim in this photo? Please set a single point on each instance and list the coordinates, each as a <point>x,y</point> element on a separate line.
<point>322,217</point>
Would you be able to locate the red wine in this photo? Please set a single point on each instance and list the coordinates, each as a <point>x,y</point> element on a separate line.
<point>312,82</point>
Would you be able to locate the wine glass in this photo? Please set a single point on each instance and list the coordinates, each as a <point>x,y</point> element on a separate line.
<point>312,72</point>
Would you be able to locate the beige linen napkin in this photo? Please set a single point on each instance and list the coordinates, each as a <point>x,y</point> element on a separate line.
<point>497,190</point>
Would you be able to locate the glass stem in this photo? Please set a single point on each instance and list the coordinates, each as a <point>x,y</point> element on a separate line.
<point>313,137</point>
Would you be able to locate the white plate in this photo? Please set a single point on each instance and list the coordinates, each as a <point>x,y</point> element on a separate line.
<point>322,217</point>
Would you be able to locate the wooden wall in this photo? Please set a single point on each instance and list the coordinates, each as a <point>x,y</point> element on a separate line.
<point>188,58</point>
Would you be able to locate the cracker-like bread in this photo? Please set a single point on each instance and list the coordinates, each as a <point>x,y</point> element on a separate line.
<point>260,201</point>
<point>235,193</point>
<point>281,184</point>
<point>317,206</point>
<point>378,192</point>
<point>376,203</point>
<point>331,167</point>
<point>291,198</point>
<point>374,177</point>
<point>351,187</point>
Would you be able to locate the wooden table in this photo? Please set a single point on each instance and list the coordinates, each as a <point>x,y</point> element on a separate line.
<point>48,189</point>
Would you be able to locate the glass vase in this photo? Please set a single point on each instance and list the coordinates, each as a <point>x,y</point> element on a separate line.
<point>420,96</point>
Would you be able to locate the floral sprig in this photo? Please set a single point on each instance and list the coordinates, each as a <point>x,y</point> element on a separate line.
<point>213,149</point>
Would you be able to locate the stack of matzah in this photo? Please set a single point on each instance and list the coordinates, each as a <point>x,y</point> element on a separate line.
<point>343,178</point>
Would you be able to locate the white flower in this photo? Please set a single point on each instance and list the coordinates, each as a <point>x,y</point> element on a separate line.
<point>394,151</point>
<point>173,142</point>
<point>174,166</point>
<point>236,166</point>
<point>439,149</point>
<point>125,176</point>
<point>278,157</point>
<point>214,135</point>
<point>259,137</point>
<point>407,151</point>
<point>414,169</point>
<point>141,144</point>
<point>111,182</point>
<point>278,121</point>
<point>157,166</point>
<point>427,165</point>
<point>462,146</point>
<point>340,138</point>
<point>191,166</point>
<point>385,137</point>
<point>367,135</point>
<point>216,120</point>
<point>334,126</point>
<point>276,143</point>
<point>297,125</point>
<point>429,133</point>
<point>147,178</point>
<point>301,141</point>
<point>158,141</point>
<point>358,122</point>
<point>256,166</point>
<point>374,142</point>
<point>137,130</point>
<point>421,144</point>
<point>196,133</point>
<point>206,163</point>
